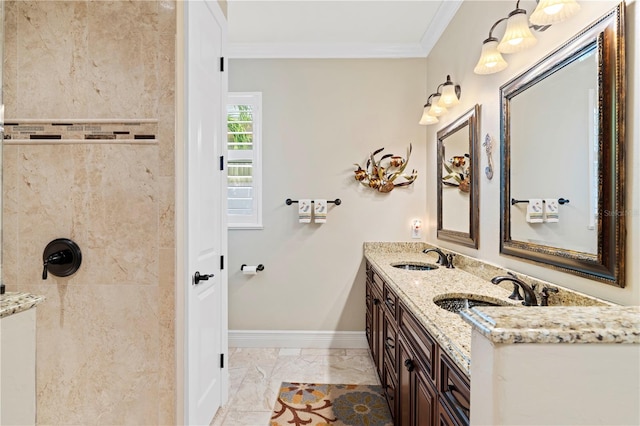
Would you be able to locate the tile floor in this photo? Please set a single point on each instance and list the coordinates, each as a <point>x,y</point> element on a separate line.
<point>255,375</point>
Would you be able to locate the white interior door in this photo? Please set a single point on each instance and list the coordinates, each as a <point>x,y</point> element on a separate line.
<point>206,213</point>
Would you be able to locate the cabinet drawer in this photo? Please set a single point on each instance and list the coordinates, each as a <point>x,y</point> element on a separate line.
<point>377,281</point>
<point>420,340</point>
<point>390,340</point>
<point>454,390</point>
<point>390,302</point>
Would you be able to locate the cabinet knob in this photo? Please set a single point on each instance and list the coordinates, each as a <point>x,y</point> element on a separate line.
<point>389,343</point>
<point>409,365</point>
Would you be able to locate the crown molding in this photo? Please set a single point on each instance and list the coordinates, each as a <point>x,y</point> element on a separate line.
<point>324,50</point>
<point>445,13</point>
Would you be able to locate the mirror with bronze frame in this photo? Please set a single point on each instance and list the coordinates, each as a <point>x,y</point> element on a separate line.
<point>458,191</point>
<point>562,137</point>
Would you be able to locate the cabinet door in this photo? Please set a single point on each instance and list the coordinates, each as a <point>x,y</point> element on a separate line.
<point>390,388</point>
<point>416,396</point>
<point>444,417</point>
<point>377,332</point>
<point>455,391</point>
<point>425,400</point>
<point>368,316</point>
<point>403,391</point>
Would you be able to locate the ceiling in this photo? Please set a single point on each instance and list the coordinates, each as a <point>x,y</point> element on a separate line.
<point>336,29</point>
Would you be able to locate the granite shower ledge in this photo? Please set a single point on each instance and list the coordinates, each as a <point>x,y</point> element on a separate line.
<point>13,303</point>
<point>557,324</point>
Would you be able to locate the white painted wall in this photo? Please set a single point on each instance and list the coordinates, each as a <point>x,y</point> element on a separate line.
<point>321,117</point>
<point>456,53</point>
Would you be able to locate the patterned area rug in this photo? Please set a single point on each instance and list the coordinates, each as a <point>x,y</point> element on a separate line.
<point>311,404</point>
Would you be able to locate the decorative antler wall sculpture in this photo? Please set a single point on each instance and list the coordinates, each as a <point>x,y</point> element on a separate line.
<point>381,174</point>
<point>458,170</point>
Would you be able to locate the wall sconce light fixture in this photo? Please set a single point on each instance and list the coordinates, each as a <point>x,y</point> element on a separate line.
<point>491,60</point>
<point>438,102</point>
<point>427,118</point>
<point>518,36</point>
<point>450,94</point>
<point>549,12</point>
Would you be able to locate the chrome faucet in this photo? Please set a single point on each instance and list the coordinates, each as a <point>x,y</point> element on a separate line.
<point>530,298</point>
<point>442,258</point>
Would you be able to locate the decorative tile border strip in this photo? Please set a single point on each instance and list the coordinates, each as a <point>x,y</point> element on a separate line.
<point>110,131</point>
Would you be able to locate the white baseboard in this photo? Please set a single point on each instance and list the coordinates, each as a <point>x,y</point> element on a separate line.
<point>297,339</point>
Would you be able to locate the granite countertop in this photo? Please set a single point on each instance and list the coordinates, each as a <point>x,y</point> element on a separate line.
<point>12,303</point>
<point>417,289</point>
<point>558,324</point>
<point>508,324</point>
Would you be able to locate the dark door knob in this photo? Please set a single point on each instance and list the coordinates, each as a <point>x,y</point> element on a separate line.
<point>204,277</point>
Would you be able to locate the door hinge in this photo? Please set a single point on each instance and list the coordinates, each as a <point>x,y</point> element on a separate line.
<point>222,64</point>
<point>221,360</point>
<point>222,162</point>
<point>221,263</point>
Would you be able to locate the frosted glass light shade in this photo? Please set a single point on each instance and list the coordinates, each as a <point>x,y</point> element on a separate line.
<point>517,36</point>
<point>426,118</point>
<point>436,110</point>
<point>549,12</point>
<point>448,97</point>
<point>491,61</point>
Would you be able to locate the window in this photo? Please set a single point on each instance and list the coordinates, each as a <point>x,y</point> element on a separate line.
<point>244,139</point>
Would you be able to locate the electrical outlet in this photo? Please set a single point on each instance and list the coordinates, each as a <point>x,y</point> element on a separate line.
<point>416,229</point>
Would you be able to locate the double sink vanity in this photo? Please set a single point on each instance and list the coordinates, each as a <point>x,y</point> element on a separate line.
<point>450,345</point>
<point>423,347</point>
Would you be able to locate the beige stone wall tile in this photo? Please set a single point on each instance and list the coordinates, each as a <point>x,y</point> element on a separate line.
<point>167,348</point>
<point>167,17</point>
<point>51,61</point>
<point>166,190</point>
<point>94,346</point>
<point>166,145</point>
<point>166,410</point>
<point>167,321</point>
<point>123,213</point>
<point>122,58</point>
<point>47,193</point>
<point>106,351</point>
<point>10,67</point>
<point>166,106</point>
<point>10,209</point>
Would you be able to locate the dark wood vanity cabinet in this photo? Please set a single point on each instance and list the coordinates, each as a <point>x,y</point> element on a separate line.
<point>375,316</point>
<point>422,384</point>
